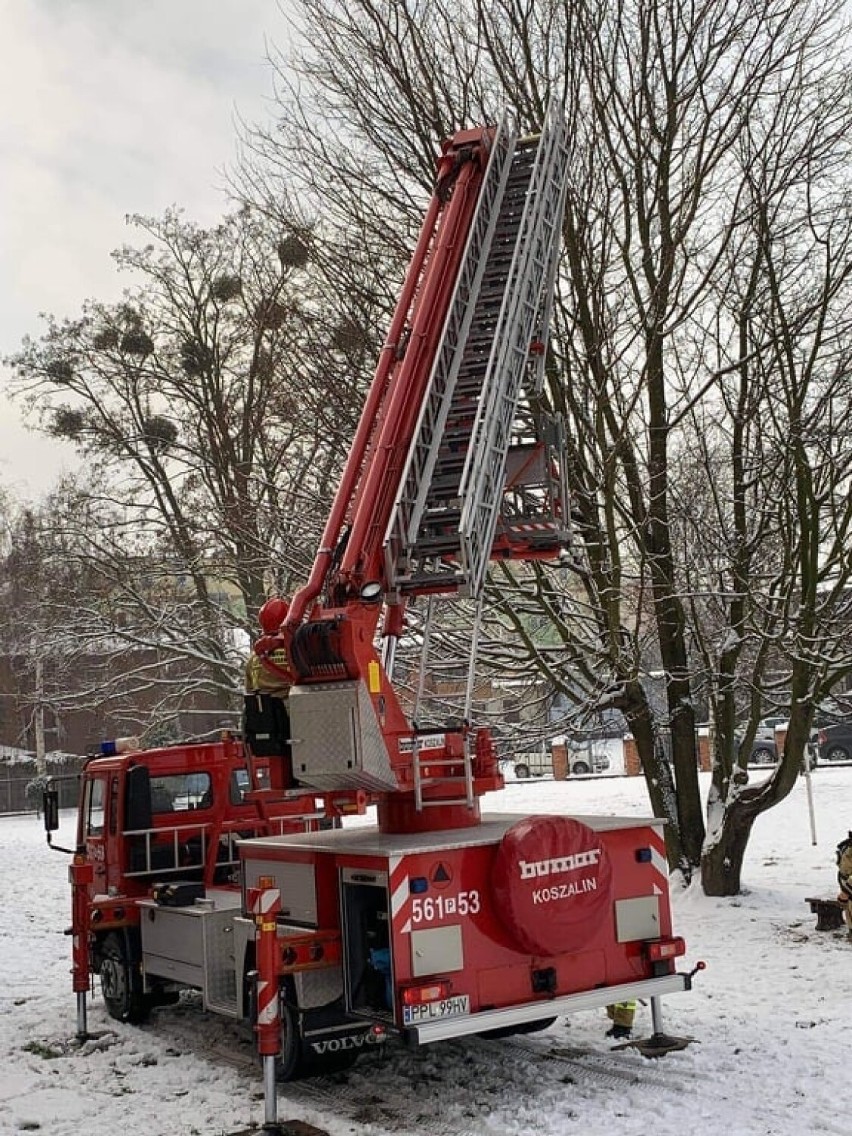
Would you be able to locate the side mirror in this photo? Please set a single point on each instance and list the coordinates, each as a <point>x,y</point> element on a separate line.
<point>50,809</point>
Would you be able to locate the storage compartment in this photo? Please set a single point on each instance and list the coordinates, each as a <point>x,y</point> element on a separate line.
<point>436,951</point>
<point>337,743</point>
<point>192,946</point>
<point>367,960</point>
<point>637,919</point>
<point>297,882</point>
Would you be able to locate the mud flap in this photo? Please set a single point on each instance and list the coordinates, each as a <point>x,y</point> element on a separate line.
<point>330,1037</point>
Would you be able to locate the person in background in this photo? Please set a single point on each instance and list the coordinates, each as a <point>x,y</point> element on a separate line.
<point>621,1014</point>
<point>844,877</point>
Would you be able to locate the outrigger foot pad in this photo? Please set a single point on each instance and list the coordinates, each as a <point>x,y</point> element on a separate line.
<point>291,1128</point>
<point>657,1045</point>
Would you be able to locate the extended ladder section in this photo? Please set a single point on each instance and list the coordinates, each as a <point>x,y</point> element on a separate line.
<point>453,500</point>
<point>460,777</point>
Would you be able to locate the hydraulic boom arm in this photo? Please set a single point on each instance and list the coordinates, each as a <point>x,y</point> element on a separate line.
<point>449,468</point>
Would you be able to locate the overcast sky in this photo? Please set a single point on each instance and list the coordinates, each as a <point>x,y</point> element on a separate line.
<point>109,107</point>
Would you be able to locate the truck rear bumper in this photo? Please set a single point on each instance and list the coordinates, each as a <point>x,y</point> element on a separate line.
<point>466,1024</point>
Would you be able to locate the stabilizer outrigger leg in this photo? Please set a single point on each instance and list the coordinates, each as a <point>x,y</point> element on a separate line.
<point>659,1043</point>
<point>82,1024</point>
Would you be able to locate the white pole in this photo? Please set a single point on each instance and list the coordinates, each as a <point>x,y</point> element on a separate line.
<point>41,764</point>
<point>809,789</point>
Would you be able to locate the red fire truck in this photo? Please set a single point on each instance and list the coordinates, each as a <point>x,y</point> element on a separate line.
<point>436,921</point>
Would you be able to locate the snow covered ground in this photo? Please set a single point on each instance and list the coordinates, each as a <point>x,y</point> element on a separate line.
<point>770,1016</point>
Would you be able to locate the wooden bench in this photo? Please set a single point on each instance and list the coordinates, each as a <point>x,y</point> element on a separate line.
<point>829,913</point>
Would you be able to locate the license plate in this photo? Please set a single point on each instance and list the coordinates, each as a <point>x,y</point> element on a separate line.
<point>429,1011</point>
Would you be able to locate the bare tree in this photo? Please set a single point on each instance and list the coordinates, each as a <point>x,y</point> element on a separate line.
<point>703,291</point>
<point>211,407</point>
<point>776,597</point>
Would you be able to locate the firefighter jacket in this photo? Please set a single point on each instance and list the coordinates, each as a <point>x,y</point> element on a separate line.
<point>622,1013</point>
<point>263,679</point>
<point>844,876</point>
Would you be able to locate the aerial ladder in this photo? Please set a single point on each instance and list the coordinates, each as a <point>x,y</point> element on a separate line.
<point>450,467</point>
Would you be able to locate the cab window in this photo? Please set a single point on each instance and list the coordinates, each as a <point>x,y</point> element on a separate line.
<point>180,792</point>
<point>95,797</point>
<point>239,786</point>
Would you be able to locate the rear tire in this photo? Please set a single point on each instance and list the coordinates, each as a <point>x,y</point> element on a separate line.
<point>522,772</point>
<point>511,1031</point>
<point>291,1065</point>
<point>294,1063</point>
<point>121,982</point>
<point>536,1027</point>
<point>333,1062</point>
<point>836,753</point>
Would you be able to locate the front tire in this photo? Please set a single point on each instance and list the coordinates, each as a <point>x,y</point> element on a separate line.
<point>836,753</point>
<point>121,982</point>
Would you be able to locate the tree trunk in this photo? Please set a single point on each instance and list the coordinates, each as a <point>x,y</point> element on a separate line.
<point>741,804</point>
<point>722,860</point>
<point>658,775</point>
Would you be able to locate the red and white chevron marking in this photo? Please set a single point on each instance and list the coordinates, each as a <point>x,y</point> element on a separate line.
<point>264,900</point>
<point>659,862</point>
<point>267,1003</point>
<point>400,894</point>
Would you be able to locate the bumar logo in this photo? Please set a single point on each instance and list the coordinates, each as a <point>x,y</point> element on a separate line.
<point>535,869</point>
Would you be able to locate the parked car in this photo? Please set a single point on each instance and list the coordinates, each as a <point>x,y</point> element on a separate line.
<point>594,761</point>
<point>765,749</point>
<point>540,763</point>
<point>765,746</point>
<point>536,764</point>
<point>835,741</point>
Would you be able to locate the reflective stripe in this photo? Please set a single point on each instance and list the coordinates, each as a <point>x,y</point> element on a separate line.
<point>267,1008</point>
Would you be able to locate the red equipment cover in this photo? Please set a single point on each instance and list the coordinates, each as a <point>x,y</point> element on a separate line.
<point>551,884</point>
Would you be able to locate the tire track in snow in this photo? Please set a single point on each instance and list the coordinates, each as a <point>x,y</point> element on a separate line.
<point>380,1108</point>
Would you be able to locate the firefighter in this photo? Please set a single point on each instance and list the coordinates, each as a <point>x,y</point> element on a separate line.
<point>259,676</point>
<point>266,721</point>
<point>844,877</point>
<point>621,1014</point>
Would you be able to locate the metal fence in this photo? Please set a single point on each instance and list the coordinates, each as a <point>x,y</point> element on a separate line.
<point>16,776</point>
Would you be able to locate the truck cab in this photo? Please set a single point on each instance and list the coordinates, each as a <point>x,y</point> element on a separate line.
<point>174,812</point>
<point>165,823</point>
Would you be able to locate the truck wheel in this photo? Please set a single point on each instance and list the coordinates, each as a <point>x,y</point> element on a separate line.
<point>522,771</point>
<point>294,1063</point>
<point>121,982</point>
<point>333,1062</point>
<point>291,1065</point>
<point>512,1031</point>
<point>580,767</point>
